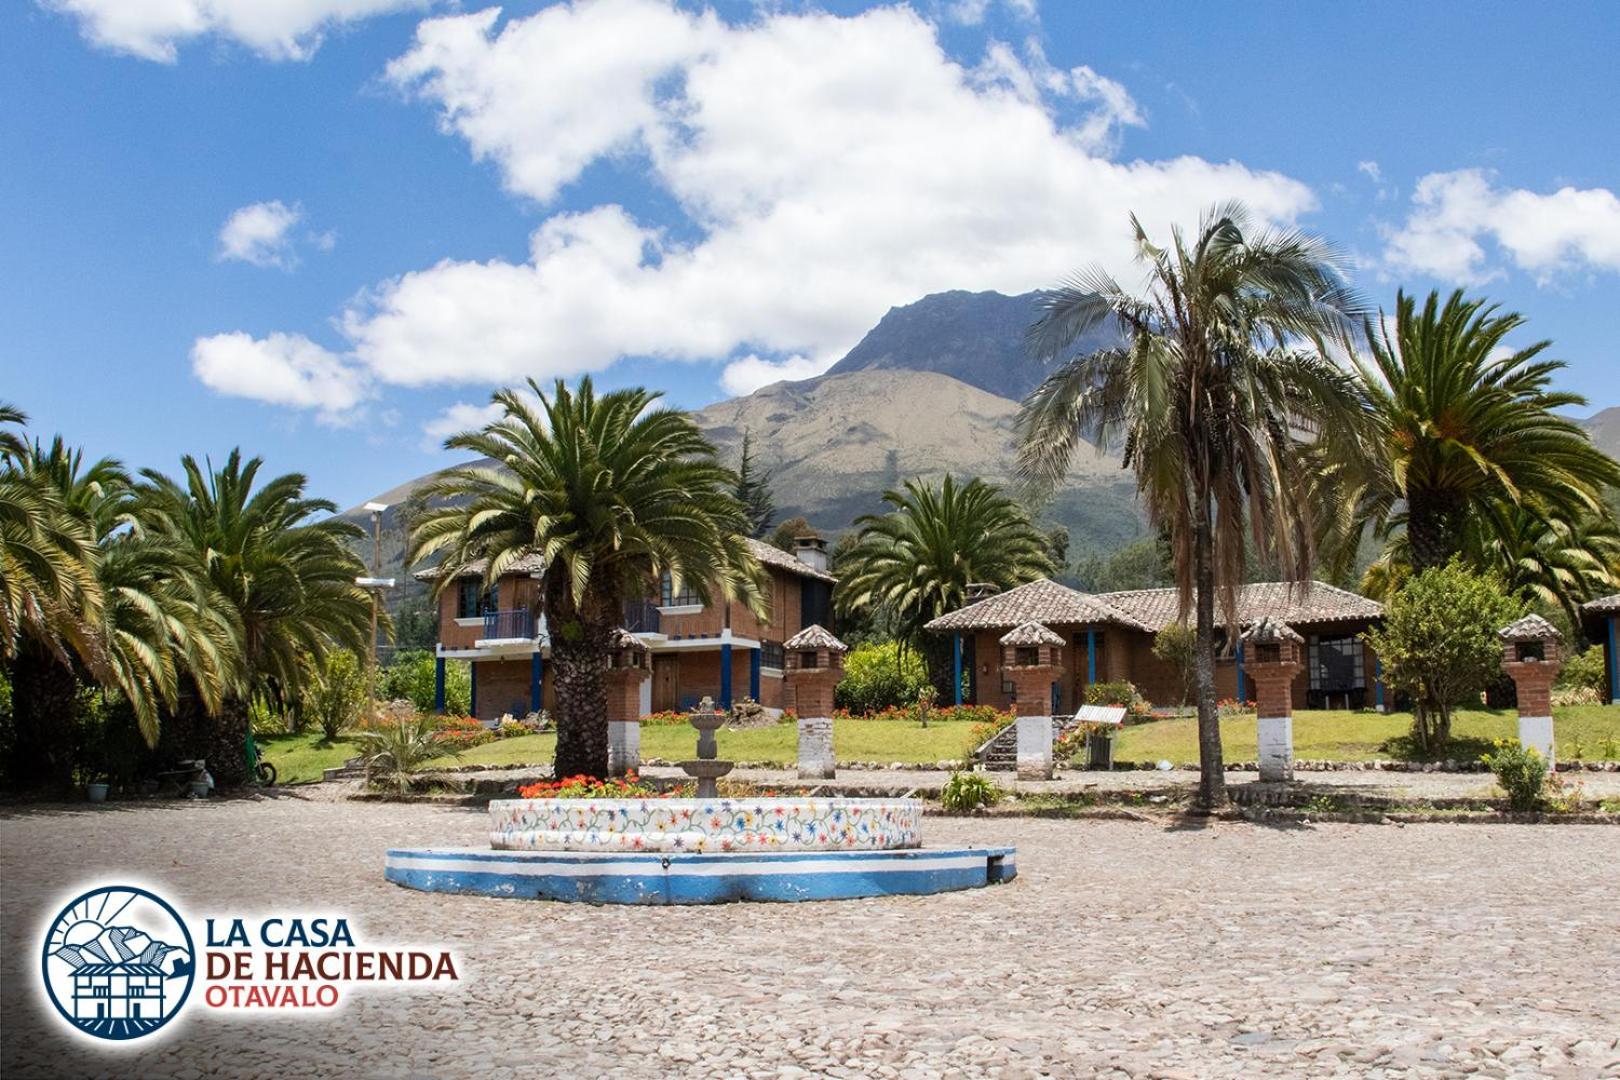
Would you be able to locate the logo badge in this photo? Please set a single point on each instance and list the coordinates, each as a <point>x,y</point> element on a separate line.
<point>118,962</point>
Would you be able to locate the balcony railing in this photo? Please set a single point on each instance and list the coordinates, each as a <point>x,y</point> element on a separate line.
<point>641,617</point>
<point>515,625</point>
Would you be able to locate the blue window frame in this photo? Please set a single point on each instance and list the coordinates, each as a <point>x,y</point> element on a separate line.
<point>473,601</point>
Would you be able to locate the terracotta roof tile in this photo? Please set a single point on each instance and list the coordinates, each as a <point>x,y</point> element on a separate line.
<point>771,555</point>
<point>1041,601</point>
<point>815,636</point>
<point>1294,603</point>
<point>528,564</point>
<point>1031,633</point>
<point>1270,630</point>
<point>1603,605</point>
<point>1530,628</point>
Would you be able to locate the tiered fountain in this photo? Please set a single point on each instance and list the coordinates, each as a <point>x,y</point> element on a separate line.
<point>703,850</point>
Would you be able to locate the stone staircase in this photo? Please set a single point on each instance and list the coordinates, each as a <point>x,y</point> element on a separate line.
<point>999,753</point>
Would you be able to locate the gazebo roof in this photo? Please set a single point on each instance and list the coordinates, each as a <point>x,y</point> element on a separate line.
<point>1269,630</point>
<point>1530,628</point>
<point>1031,633</point>
<point>624,639</point>
<point>815,636</point>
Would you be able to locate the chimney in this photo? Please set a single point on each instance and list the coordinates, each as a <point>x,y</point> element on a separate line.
<point>981,590</point>
<point>812,551</point>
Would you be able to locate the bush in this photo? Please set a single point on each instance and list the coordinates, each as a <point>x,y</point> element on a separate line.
<point>457,733</point>
<point>411,677</point>
<point>1584,671</point>
<point>400,746</point>
<point>965,792</point>
<point>1521,771</point>
<point>880,676</point>
<point>336,693</point>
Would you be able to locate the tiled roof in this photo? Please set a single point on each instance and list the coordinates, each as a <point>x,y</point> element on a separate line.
<point>1603,605</point>
<point>814,636</point>
<point>1031,633</point>
<point>1529,628</point>
<point>1041,601</point>
<point>771,555</point>
<point>1270,630</point>
<point>624,639</point>
<point>1294,602</point>
<point>528,564</point>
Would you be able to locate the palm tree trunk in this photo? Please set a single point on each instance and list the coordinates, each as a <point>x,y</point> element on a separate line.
<point>581,649</point>
<point>1211,767</point>
<point>937,656</point>
<point>226,742</point>
<point>45,718</point>
<point>1433,529</point>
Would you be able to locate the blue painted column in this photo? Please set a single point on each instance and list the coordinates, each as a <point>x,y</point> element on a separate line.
<point>1091,657</point>
<point>438,685</point>
<point>1378,686</point>
<point>472,706</point>
<point>1614,664</point>
<point>754,662</point>
<point>725,674</point>
<point>1240,672</point>
<point>537,668</point>
<point>956,666</point>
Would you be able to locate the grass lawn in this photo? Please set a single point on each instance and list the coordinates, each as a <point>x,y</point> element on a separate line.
<point>1362,736</point>
<point>300,758</point>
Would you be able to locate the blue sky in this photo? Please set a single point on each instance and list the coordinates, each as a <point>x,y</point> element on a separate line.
<point>328,240</point>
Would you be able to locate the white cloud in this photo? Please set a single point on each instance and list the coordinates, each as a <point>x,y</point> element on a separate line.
<point>274,29</point>
<point>459,417</point>
<point>827,168</point>
<point>745,375</point>
<point>1455,212</point>
<point>282,369</point>
<point>262,234</point>
<point>1371,169</point>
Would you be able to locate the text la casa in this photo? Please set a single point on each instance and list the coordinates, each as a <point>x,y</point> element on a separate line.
<point>285,933</point>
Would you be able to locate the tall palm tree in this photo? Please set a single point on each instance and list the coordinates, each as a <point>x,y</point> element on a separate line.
<point>915,563</point>
<point>1223,372</point>
<point>284,577</point>
<point>611,493</point>
<point>1464,432</point>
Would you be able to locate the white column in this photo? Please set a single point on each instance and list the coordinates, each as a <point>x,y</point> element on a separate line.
<point>1034,747</point>
<point>1537,731</point>
<point>1276,747</point>
<point>816,761</point>
<point>624,746</point>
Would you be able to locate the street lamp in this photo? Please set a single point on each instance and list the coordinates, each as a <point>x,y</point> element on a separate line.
<point>375,584</point>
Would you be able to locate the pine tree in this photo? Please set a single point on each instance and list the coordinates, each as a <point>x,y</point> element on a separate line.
<point>753,490</point>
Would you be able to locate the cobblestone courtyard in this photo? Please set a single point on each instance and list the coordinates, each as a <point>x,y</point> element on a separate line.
<point>1124,948</point>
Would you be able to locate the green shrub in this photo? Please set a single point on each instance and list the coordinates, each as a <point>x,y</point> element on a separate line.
<point>1584,671</point>
<point>965,792</point>
<point>880,675</point>
<point>410,678</point>
<point>1520,770</point>
<point>399,747</point>
<point>336,693</point>
<point>1119,692</point>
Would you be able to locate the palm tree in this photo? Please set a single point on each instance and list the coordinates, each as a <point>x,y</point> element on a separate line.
<point>284,579</point>
<point>915,563</point>
<point>1464,432</point>
<point>1222,373</point>
<point>611,493</point>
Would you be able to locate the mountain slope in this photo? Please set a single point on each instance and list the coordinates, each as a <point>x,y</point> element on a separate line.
<point>975,337</point>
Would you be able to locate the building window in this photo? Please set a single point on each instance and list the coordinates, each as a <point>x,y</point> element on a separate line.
<point>668,597</point>
<point>1027,655</point>
<point>815,603</point>
<point>770,654</point>
<point>810,659</point>
<point>472,600</point>
<point>1337,665</point>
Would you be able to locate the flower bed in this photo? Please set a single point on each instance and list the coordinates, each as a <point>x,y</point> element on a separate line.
<point>589,787</point>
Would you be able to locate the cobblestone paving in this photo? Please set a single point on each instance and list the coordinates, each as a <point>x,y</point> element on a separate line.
<point>1124,949</point>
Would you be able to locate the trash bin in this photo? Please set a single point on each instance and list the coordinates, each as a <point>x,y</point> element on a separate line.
<point>1099,750</point>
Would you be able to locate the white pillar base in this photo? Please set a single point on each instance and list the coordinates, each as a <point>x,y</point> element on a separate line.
<point>1276,748</point>
<point>1537,731</point>
<point>1034,747</point>
<point>816,761</point>
<point>624,746</point>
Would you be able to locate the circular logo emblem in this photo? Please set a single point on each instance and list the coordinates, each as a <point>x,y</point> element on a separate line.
<point>118,962</point>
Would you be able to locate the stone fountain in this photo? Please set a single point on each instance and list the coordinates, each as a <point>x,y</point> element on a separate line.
<point>706,770</point>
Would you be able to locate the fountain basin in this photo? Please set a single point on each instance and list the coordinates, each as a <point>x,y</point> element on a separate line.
<point>765,824</point>
<point>688,878</point>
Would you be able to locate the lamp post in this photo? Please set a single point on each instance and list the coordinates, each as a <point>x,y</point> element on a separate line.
<point>374,585</point>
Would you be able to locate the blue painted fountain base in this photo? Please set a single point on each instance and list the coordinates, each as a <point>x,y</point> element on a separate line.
<point>698,878</point>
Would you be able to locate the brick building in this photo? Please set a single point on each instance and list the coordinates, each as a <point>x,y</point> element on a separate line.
<point>1108,637</point>
<point>719,650</point>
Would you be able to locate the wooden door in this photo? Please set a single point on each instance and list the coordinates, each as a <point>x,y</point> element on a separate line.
<point>666,683</point>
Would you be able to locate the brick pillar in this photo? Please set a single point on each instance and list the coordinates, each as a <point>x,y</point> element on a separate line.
<point>815,664</point>
<point>624,718</point>
<point>1533,677</point>
<point>1271,654</point>
<point>1030,661</point>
